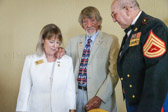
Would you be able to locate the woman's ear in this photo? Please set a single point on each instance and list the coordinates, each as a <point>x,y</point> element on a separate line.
<point>42,41</point>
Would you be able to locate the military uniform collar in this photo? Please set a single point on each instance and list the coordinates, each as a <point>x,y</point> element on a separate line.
<point>133,23</point>
<point>136,18</point>
<point>138,22</point>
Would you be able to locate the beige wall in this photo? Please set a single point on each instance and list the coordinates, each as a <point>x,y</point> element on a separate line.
<point>22,20</point>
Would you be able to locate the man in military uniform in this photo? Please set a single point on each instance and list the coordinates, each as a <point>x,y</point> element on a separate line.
<point>143,58</point>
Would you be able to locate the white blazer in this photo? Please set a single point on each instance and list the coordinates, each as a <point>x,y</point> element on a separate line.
<point>42,91</point>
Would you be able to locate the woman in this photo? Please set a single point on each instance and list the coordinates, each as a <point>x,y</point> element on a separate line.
<point>47,84</point>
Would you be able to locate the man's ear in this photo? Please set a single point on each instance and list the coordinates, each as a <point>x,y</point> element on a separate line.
<point>99,23</point>
<point>128,9</point>
<point>82,25</point>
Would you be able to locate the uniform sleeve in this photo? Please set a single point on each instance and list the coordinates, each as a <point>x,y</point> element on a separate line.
<point>71,87</point>
<point>109,84</point>
<point>25,87</point>
<point>156,75</point>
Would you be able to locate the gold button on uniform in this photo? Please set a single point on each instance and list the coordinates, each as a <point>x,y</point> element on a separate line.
<point>133,96</point>
<point>135,29</point>
<point>121,78</point>
<point>130,86</point>
<point>128,75</point>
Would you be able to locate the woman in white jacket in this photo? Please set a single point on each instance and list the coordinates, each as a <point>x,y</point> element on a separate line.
<point>47,83</point>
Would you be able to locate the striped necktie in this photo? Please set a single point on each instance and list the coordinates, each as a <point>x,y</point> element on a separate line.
<point>82,75</point>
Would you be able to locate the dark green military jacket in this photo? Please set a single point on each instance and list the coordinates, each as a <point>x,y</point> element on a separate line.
<point>143,64</point>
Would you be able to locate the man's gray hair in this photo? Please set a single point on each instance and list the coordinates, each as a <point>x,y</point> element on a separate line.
<point>90,12</point>
<point>131,3</point>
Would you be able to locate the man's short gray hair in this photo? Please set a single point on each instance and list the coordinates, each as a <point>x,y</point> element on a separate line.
<point>131,3</point>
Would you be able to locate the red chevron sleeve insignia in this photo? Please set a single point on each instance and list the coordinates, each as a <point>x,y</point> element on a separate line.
<point>154,46</point>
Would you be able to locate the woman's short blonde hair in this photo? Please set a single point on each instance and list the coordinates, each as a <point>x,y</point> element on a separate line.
<point>90,12</point>
<point>47,32</point>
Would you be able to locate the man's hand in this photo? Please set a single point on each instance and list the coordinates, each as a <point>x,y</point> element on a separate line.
<point>72,111</point>
<point>60,53</point>
<point>93,103</point>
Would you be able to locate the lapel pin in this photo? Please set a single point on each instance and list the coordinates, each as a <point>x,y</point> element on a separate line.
<point>39,62</point>
<point>80,44</point>
<point>58,62</point>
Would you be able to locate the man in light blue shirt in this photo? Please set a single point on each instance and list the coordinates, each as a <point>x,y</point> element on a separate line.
<point>94,56</point>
